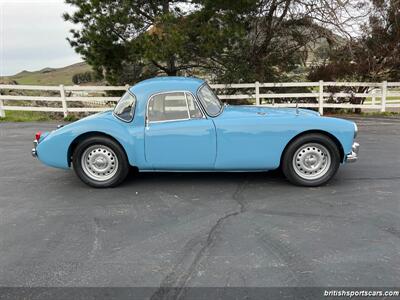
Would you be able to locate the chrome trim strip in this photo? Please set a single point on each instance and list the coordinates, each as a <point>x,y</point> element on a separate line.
<point>166,121</point>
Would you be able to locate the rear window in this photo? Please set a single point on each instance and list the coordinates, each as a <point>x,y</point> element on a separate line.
<point>125,107</point>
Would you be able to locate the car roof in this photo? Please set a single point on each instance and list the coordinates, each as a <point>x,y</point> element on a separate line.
<point>164,84</point>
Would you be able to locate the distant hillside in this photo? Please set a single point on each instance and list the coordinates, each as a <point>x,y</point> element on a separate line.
<point>49,76</point>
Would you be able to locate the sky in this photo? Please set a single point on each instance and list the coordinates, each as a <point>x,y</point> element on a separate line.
<point>33,36</point>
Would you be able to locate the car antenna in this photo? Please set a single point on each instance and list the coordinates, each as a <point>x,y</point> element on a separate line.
<point>297,106</point>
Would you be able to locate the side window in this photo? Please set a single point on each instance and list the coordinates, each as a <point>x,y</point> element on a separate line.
<point>125,107</point>
<point>194,110</point>
<point>168,106</point>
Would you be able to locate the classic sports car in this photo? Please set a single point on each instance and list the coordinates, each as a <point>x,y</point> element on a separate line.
<point>179,124</point>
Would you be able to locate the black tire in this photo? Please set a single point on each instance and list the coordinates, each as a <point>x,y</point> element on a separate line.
<point>301,142</point>
<point>119,156</point>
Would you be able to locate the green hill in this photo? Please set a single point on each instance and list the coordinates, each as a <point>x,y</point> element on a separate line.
<point>48,76</point>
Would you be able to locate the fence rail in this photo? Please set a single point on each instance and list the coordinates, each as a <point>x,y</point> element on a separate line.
<point>377,96</point>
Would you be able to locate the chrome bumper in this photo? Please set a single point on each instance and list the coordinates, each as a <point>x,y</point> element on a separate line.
<point>353,156</point>
<point>34,153</point>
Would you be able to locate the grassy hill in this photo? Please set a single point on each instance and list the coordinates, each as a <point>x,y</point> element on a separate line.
<point>49,76</point>
<point>46,76</point>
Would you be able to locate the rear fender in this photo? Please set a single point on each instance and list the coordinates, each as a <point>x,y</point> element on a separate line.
<point>56,148</point>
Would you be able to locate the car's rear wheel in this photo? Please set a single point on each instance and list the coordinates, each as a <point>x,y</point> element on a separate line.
<point>100,162</point>
<point>311,160</point>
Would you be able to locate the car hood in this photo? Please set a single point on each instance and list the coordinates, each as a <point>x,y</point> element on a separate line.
<point>244,111</point>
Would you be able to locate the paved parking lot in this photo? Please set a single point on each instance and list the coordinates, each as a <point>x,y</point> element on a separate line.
<point>174,229</point>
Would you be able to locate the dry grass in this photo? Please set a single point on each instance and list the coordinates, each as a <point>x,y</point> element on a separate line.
<point>49,76</point>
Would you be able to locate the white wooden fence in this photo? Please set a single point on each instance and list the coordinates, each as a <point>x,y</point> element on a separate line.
<point>378,96</point>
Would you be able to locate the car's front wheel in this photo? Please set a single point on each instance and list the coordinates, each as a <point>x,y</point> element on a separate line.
<point>100,162</point>
<point>311,160</point>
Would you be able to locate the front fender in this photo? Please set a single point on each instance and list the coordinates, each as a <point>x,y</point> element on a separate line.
<point>342,131</point>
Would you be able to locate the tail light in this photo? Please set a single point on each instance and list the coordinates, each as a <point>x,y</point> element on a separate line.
<point>37,135</point>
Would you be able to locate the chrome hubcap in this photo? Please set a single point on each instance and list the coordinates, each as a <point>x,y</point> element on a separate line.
<point>311,161</point>
<point>99,162</point>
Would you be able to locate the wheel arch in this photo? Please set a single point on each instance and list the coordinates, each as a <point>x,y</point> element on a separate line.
<point>86,135</point>
<point>328,134</point>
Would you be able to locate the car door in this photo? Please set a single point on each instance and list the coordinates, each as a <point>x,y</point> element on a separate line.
<point>178,136</point>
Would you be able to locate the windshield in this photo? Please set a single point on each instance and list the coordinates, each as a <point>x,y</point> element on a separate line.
<point>125,107</point>
<point>210,101</point>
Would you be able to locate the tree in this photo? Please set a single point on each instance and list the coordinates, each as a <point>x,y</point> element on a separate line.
<point>243,40</point>
<point>374,56</point>
<point>271,38</point>
<point>145,37</point>
<point>84,77</point>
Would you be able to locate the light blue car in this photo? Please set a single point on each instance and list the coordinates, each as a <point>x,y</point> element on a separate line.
<point>179,124</point>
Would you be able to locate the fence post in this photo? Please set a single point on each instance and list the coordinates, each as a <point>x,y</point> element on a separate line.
<point>373,98</point>
<point>127,86</point>
<point>383,99</point>
<point>2,111</point>
<point>63,100</point>
<point>257,85</point>
<point>321,97</point>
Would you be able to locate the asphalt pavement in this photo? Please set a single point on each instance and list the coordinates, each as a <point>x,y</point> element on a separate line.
<point>204,229</point>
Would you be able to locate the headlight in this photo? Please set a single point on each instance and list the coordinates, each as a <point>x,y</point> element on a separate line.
<point>355,130</point>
